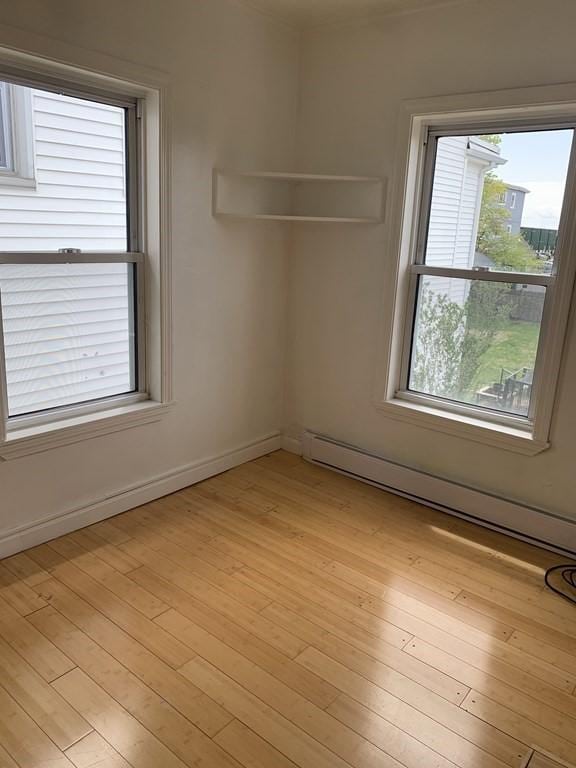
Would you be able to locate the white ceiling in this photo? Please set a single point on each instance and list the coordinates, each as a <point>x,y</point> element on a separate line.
<point>319,11</point>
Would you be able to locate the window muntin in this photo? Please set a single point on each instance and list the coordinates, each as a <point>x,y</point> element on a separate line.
<point>71,276</point>
<point>448,269</point>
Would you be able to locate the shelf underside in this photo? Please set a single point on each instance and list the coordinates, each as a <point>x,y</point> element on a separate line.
<point>280,217</point>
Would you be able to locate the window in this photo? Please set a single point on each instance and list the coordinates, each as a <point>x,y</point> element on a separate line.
<point>483,290</point>
<point>73,305</point>
<point>69,260</point>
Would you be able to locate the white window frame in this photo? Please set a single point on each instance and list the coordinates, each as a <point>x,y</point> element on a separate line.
<point>512,200</point>
<point>22,435</point>
<point>18,137</point>
<point>522,107</point>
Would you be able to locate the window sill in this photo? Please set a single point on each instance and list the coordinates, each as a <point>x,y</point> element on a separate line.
<point>469,428</point>
<point>36,439</point>
<point>23,182</point>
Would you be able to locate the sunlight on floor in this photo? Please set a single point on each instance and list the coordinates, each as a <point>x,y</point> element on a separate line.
<point>488,550</point>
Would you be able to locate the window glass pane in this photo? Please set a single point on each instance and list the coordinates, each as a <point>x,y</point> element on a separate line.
<point>76,191</point>
<point>68,333</point>
<point>475,342</point>
<point>497,199</point>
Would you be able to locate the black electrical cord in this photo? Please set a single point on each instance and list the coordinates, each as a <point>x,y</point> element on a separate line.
<point>568,575</point>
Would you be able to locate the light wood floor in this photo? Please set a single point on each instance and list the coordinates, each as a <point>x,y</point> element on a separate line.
<point>281,615</point>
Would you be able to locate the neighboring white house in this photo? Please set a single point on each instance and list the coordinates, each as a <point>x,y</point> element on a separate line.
<point>461,164</point>
<point>62,185</point>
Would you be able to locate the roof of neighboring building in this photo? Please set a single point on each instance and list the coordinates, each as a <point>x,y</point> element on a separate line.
<point>485,150</point>
<point>515,187</point>
<point>481,260</point>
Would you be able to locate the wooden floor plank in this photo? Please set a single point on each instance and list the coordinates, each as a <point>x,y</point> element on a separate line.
<point>27,571</point>
<point>110,553</point>
<point>471,581</point>
<point>103,675</point>
<point>93,751</point>
<point>24,741</point>
<point>250,620</point>
<point>532,733</point>
<point>18,594</point>
<point>251,647</point>
<point>148,668</point>
<point>127,736</point>
<point>142,629</point>
<point>179,539</point>
<point>6,761</point>
<point>100,571</point>
<point>205,580</point>
<point>422,603</point>
<point>554,631</point>
<point>284,700</point>
<point>105,530</point>
<point>279,615</point>
<point>378,584</point>
<point>293,741</point>
<point>540,760</point>
<point>374,658</point>
<point>390,736</point>
<point>444,547</point>
<point>39,652</point>
<point>499,681</point>
<point>336,614</point>
<point>454,733</point>
<point>541,650</point>
<point>250,749</point>
<point>227,520</point>
<point>48,710</point>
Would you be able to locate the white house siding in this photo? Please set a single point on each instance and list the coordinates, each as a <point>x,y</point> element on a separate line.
<point>456,199</point>
<point>67,331</point>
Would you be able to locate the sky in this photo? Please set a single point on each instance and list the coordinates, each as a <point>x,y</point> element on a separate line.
<point>538,160</point>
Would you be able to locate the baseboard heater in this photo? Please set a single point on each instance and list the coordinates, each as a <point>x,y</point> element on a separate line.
<point>527,523</point>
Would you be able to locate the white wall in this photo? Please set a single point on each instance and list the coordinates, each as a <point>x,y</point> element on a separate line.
<point>233,75</point>
<point>341,279</point>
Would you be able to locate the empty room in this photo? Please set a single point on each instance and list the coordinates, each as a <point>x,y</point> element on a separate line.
<point>287,384</point>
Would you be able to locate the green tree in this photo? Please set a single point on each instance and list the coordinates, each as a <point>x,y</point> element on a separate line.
<point>437,345</point>
<point>492,138</point>
<point>451,338</point>
<point>507,251</point>
<point>487,312</point>
<point>493,215</point>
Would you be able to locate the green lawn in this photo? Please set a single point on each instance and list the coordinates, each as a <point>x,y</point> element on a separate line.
<point>513,348</point>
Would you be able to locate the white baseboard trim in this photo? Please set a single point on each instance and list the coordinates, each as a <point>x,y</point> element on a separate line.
<point>41,531</point>
<point>527,523</point>
<point>292,445</point>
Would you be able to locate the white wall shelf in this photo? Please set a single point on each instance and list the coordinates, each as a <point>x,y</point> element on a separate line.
<point>297,197</point>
